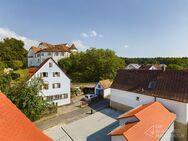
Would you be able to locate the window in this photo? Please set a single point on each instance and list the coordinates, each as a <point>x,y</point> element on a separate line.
<point>99,86</point>
<point>38,60</point>
<point>56,85</point>
<point>56,53</point>
<point>56,74</point>
<point>42,54</point>
<point>44,74</point>
<point>50,65</point>
<point>62,53</point>
<point>65,96</point>
<point>49,98</point>
<point>137,98</point>
<point>38,55</point>
<point>152,85</point>
<point>49,53</point>
<point>46,86</point>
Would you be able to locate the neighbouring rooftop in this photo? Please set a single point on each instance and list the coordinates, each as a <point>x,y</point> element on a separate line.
<point>149,120</point>
<point>169,84</point>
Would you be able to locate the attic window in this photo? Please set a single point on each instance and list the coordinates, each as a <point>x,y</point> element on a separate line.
<point>152,85</point>
<point>137,98</point>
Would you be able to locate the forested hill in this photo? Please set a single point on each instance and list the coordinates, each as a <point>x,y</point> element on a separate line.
<point>172,63</point>
<point>12,54</point>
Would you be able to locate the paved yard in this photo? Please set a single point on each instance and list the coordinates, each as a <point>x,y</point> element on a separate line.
<point>70,113</point>
<point>94,127</point>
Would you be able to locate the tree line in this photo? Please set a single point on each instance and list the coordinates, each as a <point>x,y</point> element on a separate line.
<point>174,63</point>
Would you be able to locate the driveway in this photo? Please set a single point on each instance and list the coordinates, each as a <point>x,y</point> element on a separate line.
<point>94,127</point>
<point>70,113</point>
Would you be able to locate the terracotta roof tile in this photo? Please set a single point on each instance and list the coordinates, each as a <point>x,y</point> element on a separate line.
<point>170,84</point>
<point>35,49</point>
<point>15,126</point>
<point>153,121</point>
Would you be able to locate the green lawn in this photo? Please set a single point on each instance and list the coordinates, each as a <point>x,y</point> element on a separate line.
<point>23,75</point>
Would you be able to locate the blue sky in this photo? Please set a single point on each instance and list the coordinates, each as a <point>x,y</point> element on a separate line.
<point>133,28</point>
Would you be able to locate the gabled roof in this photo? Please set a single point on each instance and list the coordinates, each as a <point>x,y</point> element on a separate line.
<point>15,126</point>
<point>42,64</point>
<point>170,84</point>
<point>35,49</point>
<point>136,66</point>
<point>153,121</point>
<point>53,48</point>
<point>105,83</point>
<point>73,47</point>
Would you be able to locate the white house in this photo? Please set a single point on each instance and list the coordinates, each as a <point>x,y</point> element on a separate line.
<point>103,88</point>
<point>57,84</point>
<point>153,67</point>
<point>149,122</point>
<point>37,55</point>
<point>132,67</point>
<point>132,88</point>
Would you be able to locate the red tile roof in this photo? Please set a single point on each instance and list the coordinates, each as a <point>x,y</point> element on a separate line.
<point>53,48</point>
<point>170,84</point>
<point>153,121</point>
<point>15,126</point>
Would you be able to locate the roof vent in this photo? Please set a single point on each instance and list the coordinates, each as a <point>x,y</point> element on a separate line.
<point>152,85</point>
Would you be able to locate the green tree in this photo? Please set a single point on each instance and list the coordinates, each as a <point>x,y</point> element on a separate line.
<point>26,96</point>
<point>12,49</point>
<point>5,82</point>
<point>92,65</point>
<point>16,64</point>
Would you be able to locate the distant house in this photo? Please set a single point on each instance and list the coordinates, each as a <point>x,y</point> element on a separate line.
<point>103,88</point>
<point>149,122</point>
<point>15,126</point>
<point>153,67</point>
<point>132,67</point>
<point>132,88</point>
<point>37,55</point>
<point>57,84</point>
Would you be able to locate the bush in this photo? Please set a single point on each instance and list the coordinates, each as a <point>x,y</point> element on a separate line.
<point>15,76</point>
<point>16,64</point>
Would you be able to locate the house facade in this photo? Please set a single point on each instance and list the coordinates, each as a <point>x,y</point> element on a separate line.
<point>146,124</point>
<point>37,55</point>
<point>57,84</point>
<point>103,88</point>
<point>133,88</point>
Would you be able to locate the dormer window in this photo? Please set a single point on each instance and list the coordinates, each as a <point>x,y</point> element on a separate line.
<point>152,85</point>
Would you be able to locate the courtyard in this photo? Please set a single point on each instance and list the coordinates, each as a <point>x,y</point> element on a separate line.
<point>93,127</point>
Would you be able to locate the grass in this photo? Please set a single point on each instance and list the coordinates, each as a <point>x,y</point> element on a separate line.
<point>23,75</point>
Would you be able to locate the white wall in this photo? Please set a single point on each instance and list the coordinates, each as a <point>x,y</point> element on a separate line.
<point>63,79</point>
<point>129,98</point>
<point>176,107</point>
<point>168,136</point>
<point>107,92</point>
<point>118,138</point>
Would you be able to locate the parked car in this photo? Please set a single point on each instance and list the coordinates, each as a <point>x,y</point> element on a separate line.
<point>90,97</point>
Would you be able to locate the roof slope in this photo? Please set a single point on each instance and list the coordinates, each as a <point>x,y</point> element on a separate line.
<point>171,85</point>
<point>53,48</point>
<point>151,125</point>
<point>15,126</point>
<point>105,83</point>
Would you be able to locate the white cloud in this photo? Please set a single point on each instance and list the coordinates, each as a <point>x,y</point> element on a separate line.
<point>125,46</point>
<point>7,33</point>
<point>80,45</point>
<point>84,35</point>
<point>91,34</point>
